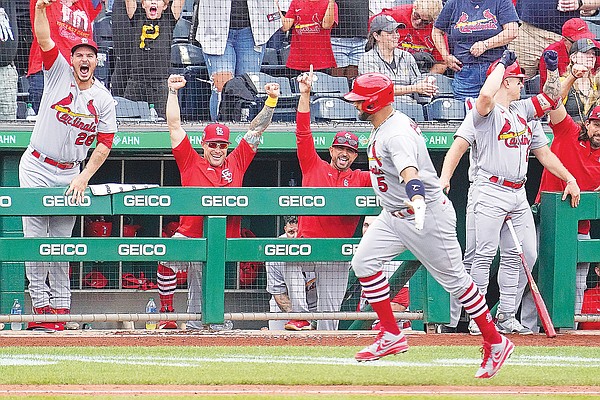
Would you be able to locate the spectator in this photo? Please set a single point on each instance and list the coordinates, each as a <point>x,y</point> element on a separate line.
<point>152,24</point>
<point>349,37</point>
<point>71,97</point>
<point>383,55</point>
<point>477,34</point>
<point>69,22</point>
<point>311,21</point>
<point>573,30</point>
<point>415,36</point>
<point>332,277</point>
<point>591,303</point>
<point>233,34</point>
<point>9,39</point>
<point>212,169</point>
<point>579,87</point>
<point>280,300</point>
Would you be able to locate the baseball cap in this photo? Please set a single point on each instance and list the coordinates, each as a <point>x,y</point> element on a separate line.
<point>81,41</point>
<point>583,45</point>
<point>594,114</point>
<point>346,139</point>
<point>95,279</point>
<point>382,23</point>
<point>216,133</point>
<point>575,29</point>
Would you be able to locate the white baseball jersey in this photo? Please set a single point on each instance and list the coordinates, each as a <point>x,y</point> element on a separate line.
<point>504,139</point>
<point>69,119</point>
<point>394,146</point>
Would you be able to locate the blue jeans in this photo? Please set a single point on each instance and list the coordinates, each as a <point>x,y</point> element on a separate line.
<point>36,88</point>
<point>469,80</point>
<point>241,56</point>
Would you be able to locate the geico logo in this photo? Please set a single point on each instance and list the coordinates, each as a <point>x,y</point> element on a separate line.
<point>288,249</point>
<point>5,201</point>
<point>349,249</point>
<point>61,201</point>
<point>302,201</point>
<point>367,201</point>
<point>152,200</point>
<point>47,249</point>
<point>224,201</point>
<point>142,249</point>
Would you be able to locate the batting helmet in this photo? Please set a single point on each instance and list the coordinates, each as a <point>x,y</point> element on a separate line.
<point>374,89</point>
<point>512,71</point>
<point>98,228</point>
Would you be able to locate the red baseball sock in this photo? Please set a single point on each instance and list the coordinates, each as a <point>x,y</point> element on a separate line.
<point>377,291</point>
<point>167,282</point>
<point>475,305</point>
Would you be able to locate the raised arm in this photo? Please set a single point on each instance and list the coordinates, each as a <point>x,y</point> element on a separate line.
<point>329,18</point>
<point>553,164</point>
<point>41,26</point>
<point>177,7</point>
<point>305,84</point>
<point>131,6</point>
<point>485,102</point>
<point>451,160</point>
<point>262,120</point>
<point>286,23</point>
<point>175,82</point>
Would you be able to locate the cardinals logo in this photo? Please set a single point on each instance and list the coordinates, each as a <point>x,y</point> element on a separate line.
<point>65,115</point>
<point>374,161</point>
<point>514,138</point>
<point>488,22</point>
<point>312,27</point>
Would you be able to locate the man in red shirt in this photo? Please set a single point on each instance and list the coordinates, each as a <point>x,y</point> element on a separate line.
<point>591,304</point>
<point>572,30</point>
<point>212,169</point>
<point>331,277</point>
<point>415,36</point>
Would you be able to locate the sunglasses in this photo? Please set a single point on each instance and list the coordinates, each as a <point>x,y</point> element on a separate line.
<point>423,20</point>
<point>345,140</point>
<point>217,145</point>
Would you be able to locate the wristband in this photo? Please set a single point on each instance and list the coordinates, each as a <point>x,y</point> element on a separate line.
<point>414,187</point>
<point>271,101</point>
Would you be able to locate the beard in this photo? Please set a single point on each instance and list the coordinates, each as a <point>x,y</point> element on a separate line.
<point>363,116</point>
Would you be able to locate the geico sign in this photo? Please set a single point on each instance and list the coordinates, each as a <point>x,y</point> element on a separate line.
<point>367,201</point>
<point>61,201</point>
<point>301,201</point>
<point>142,249</point>
<point>224,201</point>
<point>288,249</point>
<point>349,249</point>
<point>152,200</point>
<point>5,201</point>
<point>47,249</point>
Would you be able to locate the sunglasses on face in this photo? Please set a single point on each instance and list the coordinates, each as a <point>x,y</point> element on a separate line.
<point>423,20</point>
<point>344,140</point>
<point>217,145</point>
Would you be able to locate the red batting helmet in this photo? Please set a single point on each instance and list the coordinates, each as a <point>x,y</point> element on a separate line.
<point>375,89</point>
<point>512,71</point>
<point>99,228</point>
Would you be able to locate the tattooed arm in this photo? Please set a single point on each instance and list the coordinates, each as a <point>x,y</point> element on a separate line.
<point>552,87</point>
<point>262,120</point>
<point>283,301</point>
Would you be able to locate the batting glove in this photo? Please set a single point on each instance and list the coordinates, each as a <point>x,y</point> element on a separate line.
<point>551,60</point>
<point>418,206</point>
<point>508,58</point>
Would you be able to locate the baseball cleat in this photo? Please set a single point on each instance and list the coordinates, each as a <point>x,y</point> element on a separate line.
<point>494,356</point>
<point>298,325</point>
<point>167,325</point>
<point>511,325</point>
<point>473,328</point>
<point>385,344</point>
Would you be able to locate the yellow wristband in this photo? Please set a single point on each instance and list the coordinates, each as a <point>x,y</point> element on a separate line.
<point>271,101</point>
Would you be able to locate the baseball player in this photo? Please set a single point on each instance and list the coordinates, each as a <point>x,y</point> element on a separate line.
<point>280,301</point>
<point>332,277</point>
<point>75,111</point>
<point>504,141</point>
<point>416,216</point>
<point>212,169</point>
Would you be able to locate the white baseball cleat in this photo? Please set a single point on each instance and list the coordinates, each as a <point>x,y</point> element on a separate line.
<point>494,356</point>
<point>385,344</point>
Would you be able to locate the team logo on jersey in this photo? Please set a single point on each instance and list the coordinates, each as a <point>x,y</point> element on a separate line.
<point>346,183</point>
<point>374,161</point>
<point>514,138</point>
<point>312,27</point>
<point>408,44</point>
<point>66,116</point>
<point>488,22</point>
<point>227,175</point>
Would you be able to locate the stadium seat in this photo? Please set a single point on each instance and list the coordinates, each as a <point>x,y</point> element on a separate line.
<point>185,55</point>
<point>325,109</point>
<point>286,106</point>
<point>23,88</point>
<point>21,109</point>
<point>132,110</point>
<point>532,86</point>
<point>181,32</point>
<point>413,110</point>
<point>444,88</point>
<point>284,54</point>
<point>270,64</point>
<point>260,79</point>
<point>195,96</point>
<point>103,30</point>
<point>325,85</point>
<point>445,110</point>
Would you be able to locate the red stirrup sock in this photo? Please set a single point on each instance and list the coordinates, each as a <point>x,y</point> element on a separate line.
<point>475,305</point>
<point>377,291</point>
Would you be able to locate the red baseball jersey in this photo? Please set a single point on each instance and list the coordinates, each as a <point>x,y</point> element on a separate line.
<point>591,305</point>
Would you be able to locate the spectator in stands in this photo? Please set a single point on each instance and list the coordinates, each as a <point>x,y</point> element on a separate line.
<point>573,30</point>
<point>9,38</point>
<point>477,34</point>
<point>349,36</point>
<point>233,34</point>
<point>212,169</point>
<point>383,55</point>
<point>69,20</point>
<point>311,22</point>
<point>579,87</point>
<point>152,25</point>
<point>591,303</point>
<point>415,36</point>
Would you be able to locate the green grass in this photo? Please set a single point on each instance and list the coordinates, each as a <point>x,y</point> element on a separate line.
<point>422,365</point>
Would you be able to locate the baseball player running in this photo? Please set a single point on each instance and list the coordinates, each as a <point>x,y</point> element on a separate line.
<point>416,216</point>
<point>504,141</point>
<point>76,110</point>
<point>213,169</point>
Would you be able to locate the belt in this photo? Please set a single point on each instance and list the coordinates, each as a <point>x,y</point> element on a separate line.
<point>52,162</point>
<point>504,182</point>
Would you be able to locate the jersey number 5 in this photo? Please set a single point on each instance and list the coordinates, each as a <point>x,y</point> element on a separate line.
<point>84,139</point>
<point>381,185</point>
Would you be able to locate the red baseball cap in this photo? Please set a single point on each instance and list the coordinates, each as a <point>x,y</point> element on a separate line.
<point>575,29</point>
<point>346,139</point>
<point>594,114</point>
<point>80,41</point>
<point>216,133</point>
